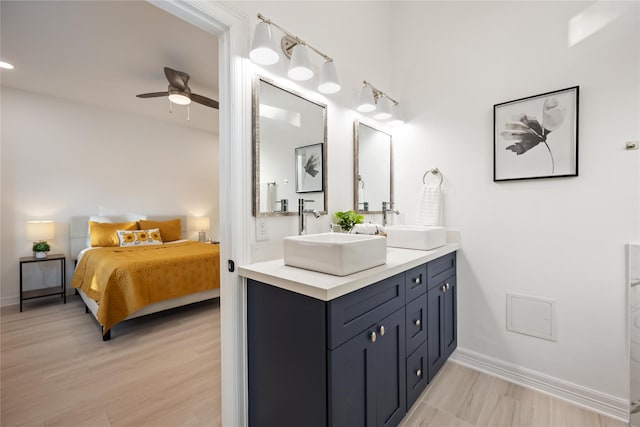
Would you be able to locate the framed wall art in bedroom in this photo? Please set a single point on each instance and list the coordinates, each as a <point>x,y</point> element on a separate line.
<point>536,136</point>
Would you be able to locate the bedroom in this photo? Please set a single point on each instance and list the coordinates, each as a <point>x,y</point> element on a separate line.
<point>438,97</point>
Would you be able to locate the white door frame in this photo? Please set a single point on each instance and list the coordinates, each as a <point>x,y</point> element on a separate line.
<point>231,26</point>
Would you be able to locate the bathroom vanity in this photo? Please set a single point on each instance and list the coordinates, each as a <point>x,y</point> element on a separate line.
<point>348,351</point>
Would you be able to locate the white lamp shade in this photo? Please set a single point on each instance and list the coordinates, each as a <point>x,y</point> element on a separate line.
<point>329,79</point>
<point>367,103</point>
<point>263,49</point>
<point>202,223</point>
<point>300,67</point>
<point>40,230</point>
<point>383,112</point>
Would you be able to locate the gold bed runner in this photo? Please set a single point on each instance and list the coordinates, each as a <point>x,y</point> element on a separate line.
<point>124,280</point>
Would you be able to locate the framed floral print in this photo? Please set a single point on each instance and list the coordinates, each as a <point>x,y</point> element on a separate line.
<point>536,137</point>
<point>309,168</point>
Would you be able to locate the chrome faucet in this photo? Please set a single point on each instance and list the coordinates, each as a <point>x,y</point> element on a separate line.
<point>387,207</point>
<point>302,211</point>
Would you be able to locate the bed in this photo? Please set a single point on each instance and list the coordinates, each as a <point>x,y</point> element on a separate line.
<point>120,283</point>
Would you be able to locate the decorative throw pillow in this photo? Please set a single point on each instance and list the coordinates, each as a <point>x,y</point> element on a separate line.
<point>139,237</point>
<point>104,233</point>
<point>130,217</point>
<point>170,230</point>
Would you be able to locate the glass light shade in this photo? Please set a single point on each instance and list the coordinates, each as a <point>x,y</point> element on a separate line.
<point>329,79</point>
<point>300,67</point>
<point>398,118</point>
<point>383,112</point>
<point>263,48</point>
<point>180,99</point>
<point>40,230</point>
<point>367,103</point>
<point>6,65</point>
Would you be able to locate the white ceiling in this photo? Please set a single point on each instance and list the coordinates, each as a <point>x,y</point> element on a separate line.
<point>104,53</point>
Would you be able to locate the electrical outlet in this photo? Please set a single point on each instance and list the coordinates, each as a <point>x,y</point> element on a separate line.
<point>261,229</point>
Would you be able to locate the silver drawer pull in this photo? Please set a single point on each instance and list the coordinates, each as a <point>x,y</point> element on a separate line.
<point>373,337</point>
<point>443,288</point>
<point>381,329</point>
<point>447,285</point>
<point>417,322</point>
<point>417,280</point>
<point>419,373</point>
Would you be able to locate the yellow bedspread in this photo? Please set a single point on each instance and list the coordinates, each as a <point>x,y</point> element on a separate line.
<point>123,280</point>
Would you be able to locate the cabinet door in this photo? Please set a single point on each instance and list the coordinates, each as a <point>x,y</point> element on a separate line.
<point>450,317</point>
<point>352,373</point>
<point>367,384</point>
<point>435,331</point>
<point>441,324</point>
<point>390,370</point>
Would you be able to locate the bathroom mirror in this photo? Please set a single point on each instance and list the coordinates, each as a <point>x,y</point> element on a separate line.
<point>373,170</point>
<point>289,151</point>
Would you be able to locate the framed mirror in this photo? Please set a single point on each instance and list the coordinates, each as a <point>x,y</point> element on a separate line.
<point>289,151</point>
<point>373,169</point>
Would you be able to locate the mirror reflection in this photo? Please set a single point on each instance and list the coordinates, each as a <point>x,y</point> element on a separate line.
<point>373,177</point>
<point>290,145</point>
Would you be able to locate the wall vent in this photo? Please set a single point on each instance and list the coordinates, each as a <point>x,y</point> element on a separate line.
<point>531,316</point>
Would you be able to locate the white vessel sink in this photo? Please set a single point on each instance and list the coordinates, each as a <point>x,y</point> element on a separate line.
<point>422,237</point>
<point>339,254</point>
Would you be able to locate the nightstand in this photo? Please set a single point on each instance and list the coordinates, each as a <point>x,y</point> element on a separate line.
<point>45,292</point>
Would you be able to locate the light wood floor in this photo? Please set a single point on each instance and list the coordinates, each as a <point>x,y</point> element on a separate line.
<point>163,370</point>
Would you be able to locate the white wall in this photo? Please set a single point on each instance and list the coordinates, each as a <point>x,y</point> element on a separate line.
<point>561,239</point>
<point>61,159</point>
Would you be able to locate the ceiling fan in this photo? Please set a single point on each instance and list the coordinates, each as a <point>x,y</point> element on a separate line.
<point>179,92</point>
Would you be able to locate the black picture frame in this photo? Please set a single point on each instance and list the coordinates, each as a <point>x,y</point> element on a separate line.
<point>309,167</point>
<point>537,136</point>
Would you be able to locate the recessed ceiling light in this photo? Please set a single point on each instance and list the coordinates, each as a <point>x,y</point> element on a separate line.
<point>6,65</point>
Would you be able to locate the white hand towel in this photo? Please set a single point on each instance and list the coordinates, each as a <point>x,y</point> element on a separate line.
<point>429,210</point>
<point>367,229</point>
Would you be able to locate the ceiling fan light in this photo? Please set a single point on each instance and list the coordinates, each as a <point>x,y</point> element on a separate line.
<point>329,79</point>
<point>367,103</point>
<point>263,48</point>
<point>300,67</point>
<point>383,112</point>
<point>179,98</point>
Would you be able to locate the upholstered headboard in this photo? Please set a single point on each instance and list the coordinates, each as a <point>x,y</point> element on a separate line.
<point>79,229</point>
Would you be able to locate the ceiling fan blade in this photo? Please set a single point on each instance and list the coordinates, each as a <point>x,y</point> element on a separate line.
<point>153,95</point>
<point>204,100</point>
<point>177,79</point>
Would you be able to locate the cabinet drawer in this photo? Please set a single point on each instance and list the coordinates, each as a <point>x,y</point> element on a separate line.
<point>416,323</point>
<point>440,269</point>
<point>416,374</point>
<point>416,281</point>
<point>352,313</point>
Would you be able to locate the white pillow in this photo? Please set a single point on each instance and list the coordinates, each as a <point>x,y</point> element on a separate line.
<point>139,237</point>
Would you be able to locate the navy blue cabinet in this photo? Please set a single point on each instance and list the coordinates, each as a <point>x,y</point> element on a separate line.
<point>441,324</point>
<point>360,360</point>
<point>367,376</point>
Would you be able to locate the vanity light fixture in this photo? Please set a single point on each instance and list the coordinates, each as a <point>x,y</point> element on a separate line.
<point>6,65</point>
<point>373,99</point>
<point>264,52</point>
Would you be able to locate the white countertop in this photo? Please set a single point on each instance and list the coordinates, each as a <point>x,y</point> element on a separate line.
<point>326,287</point>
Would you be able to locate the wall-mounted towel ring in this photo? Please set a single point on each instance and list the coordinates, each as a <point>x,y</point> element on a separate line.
<point>434,171</point>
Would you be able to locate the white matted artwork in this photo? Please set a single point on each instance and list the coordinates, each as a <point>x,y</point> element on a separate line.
<point>536,137</point>
<point>309,168</point>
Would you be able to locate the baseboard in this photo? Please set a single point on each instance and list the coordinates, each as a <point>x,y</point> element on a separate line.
<point>588,398</point>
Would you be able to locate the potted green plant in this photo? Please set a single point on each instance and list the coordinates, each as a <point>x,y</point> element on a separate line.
<point>40,249</point>
<point>347,219</point>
